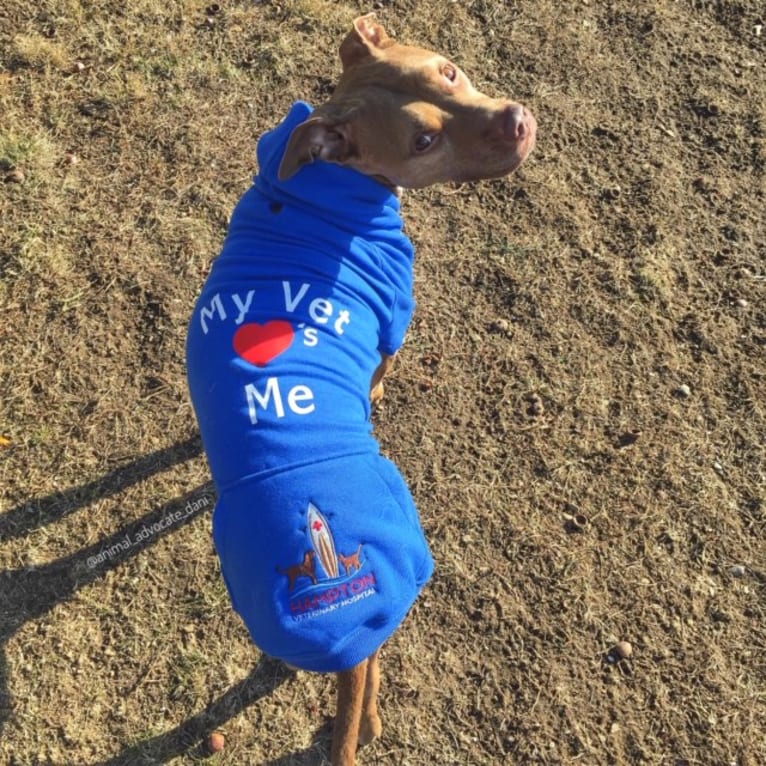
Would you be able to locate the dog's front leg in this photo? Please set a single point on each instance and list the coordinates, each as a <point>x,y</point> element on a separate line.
<point>351,695</point>
<point>376,386</point>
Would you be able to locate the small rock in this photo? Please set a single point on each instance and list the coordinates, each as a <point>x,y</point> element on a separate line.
<point>622,650</point>
<point>738,570</point>
<point>78,66</point>
<point>70,158</point>
<point>742,303</point>
<point>216,741</point>
<point>502,326</point>
<point>684,391</point>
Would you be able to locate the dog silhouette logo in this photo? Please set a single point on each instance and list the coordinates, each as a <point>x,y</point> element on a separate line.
<point>307,568</point>
<point>352,563</point>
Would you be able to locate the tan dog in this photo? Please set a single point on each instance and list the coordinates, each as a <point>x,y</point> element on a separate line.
<point>296,326</point>
<point>409,118</point>
<point>353,562</point>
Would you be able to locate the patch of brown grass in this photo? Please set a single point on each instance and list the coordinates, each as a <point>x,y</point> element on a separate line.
<point>621,263</point>
<point>37,52</point>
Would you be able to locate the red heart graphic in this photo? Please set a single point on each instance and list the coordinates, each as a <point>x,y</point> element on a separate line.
<point>260,343</point>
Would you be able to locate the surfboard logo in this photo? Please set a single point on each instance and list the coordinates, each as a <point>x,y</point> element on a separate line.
<point>325,579</point>
<point>323,542</point>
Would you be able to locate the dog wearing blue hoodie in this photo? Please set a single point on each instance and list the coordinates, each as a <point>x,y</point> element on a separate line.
<point>319,539</point>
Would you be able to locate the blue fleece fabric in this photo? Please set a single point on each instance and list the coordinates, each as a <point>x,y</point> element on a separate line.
<point>318,536</point>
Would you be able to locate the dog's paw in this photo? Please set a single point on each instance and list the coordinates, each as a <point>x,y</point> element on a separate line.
<point>376,395</point>
<point>369,729</point>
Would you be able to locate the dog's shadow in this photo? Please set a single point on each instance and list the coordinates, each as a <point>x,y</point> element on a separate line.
<point>28,593</point>
<point>190,737</point>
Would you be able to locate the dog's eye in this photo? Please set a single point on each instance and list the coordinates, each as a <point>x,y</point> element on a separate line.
<point>450,72</point>
<point>424,142</point>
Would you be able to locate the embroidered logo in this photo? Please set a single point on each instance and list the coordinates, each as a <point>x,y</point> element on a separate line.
<point>316,585</point>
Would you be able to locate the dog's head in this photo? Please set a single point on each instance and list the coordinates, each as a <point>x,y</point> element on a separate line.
<point>410,117</point>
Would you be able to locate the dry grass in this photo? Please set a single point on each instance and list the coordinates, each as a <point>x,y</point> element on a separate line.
<point>624,262</point>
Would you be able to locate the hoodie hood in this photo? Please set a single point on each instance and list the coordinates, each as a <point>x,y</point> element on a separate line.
<point>339,194</point>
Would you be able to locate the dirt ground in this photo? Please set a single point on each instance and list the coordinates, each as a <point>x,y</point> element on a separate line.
<point>580,408</point>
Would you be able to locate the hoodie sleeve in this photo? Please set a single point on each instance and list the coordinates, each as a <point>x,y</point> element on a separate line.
<point>392,335</point>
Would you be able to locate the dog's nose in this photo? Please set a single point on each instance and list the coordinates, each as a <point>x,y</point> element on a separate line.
<point>518,123</point>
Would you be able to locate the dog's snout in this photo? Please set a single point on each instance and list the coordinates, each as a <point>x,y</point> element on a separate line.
<point>518,123</point>
<point>514,122</point>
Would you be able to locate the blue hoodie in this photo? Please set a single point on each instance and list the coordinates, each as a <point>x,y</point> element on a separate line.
<point>318,536</point>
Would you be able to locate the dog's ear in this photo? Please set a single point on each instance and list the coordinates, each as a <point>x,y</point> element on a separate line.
<point>364,39</point>
<point>320,137</point>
